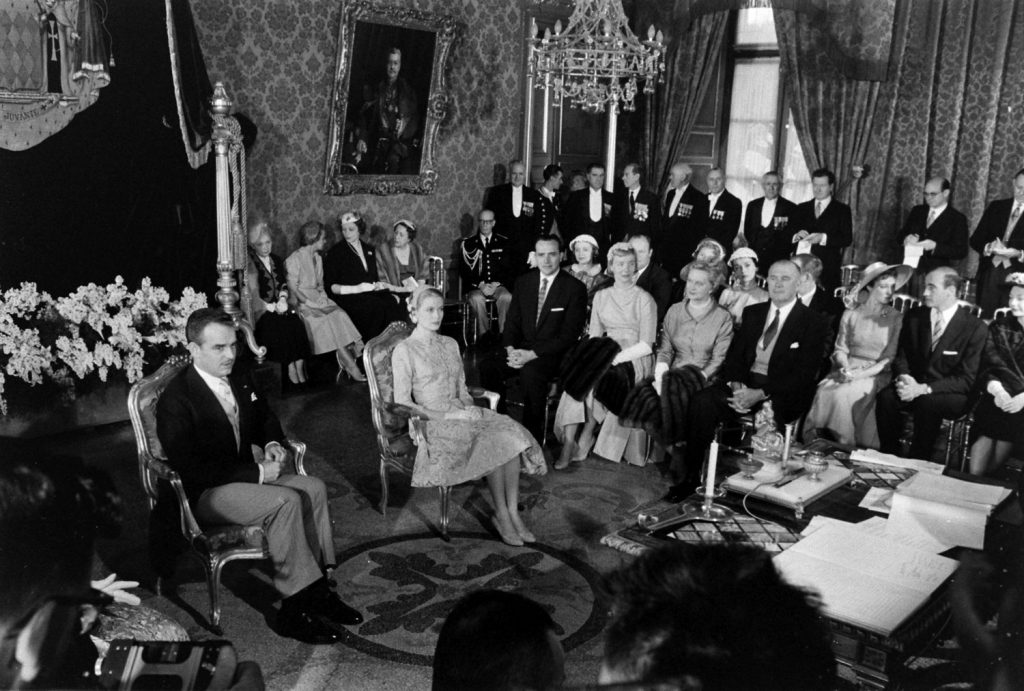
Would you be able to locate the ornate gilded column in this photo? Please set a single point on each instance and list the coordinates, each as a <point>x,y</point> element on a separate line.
<point>231,240</point>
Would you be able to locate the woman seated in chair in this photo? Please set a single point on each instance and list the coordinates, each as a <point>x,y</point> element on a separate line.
<point>695,338</point>
<point>627,315</point>
<point>869,334</point>
<point>743,290</point>
<point>327,325</point>
<point>997,419</point>
<point>350,274</point>
<point>461,442</point>
<point>278,327</point>
<point>401,261</point>
<point>586,268</point>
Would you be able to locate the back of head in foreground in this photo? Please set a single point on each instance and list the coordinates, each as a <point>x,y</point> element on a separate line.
<point>714,617</point>
<point>498,641</point>
<point>49,515</point>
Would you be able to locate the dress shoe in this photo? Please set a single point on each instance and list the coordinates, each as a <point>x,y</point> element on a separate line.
<point>676,493</point>
<point>304,626</point>
<point>338,612</point>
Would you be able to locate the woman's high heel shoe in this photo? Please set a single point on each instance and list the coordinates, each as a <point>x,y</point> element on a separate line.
<point>354,375</point>
<point>347,365</point>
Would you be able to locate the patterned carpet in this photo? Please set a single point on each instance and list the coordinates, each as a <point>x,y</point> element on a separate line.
<point>395,569</point>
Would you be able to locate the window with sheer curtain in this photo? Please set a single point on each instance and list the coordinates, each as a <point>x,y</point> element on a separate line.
<point>760,135</point>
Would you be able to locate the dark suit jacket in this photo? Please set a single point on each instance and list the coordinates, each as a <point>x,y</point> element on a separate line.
<point>496,262</point>
<point>656,281</point>
<point>625,223</point>
<point>793,367</point>
<point>1003,358</point>
<point>836,222</point>
<point>681,232</point>
<point>991,226</point>
<point>953,366</point>
<point>771,243</point>
<point>197,437</point>
<point>948,230</point>
<point>342,266</point>
<point>577,219</point>
<point>549,213</point>
<point>561,320</point>
<point>520,231</point>
<point>723,221</point>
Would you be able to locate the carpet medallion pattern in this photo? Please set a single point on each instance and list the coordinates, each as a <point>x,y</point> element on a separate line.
<point>424,577</point>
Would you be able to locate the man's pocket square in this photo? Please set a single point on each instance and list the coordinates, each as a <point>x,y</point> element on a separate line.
<point>557,309</point>
<point>950,352</point>
<point>794,345</point>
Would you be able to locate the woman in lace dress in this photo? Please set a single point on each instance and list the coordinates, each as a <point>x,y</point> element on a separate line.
<point>628,315</point>
<point>461,441</point>
<point>869,334</point>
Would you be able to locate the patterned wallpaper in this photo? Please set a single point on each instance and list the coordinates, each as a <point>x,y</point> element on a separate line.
<point>277,57</point>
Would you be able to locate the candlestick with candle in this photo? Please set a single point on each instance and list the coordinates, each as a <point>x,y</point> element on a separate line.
<point>704,508</point>
<point>709,481</point>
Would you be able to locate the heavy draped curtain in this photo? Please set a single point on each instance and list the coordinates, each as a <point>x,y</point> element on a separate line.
<point>693,51</point>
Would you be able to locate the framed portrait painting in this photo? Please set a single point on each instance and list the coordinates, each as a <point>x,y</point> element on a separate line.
<point>389,99</point>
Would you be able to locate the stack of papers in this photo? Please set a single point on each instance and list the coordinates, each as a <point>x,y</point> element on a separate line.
<point>948,511</point>
<point>864,579</point>
<point>887,459</point>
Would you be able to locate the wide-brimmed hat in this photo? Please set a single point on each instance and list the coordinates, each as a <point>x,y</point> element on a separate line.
<point>403,222</point>
<point>1014,279</point>
<point>741,253</point>
<point>876,269</point>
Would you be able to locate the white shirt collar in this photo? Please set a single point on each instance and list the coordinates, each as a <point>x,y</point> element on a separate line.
<point>824,202</point>
<point>549,278</point>
<point>808,296</point>
<point>947,314</point>
<point>784,311</point>
<point>937,211</point>
<point>215,383</point>
<point>593,191</point>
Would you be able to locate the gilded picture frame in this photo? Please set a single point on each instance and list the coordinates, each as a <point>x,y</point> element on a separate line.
<point>388,100</point>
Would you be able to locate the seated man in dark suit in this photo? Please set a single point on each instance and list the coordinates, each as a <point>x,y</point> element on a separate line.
<point>935,367</point>
<point>208,423</point>
<point>774,356</point>
<point>937,228</point>
<point>810,292</point>
<point>767,221</point>
<point>536,341</point>
<point>826,224</point>
<point>637,210</point>
<point>724,211</point>
<point>650,276</point>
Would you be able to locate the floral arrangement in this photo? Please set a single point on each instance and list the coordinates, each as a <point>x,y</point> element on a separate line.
<point>94,330</point>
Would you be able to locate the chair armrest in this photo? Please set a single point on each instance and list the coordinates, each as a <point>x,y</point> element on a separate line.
<point>416,430</point>
<point>298,449</point>
<point>400,409</point>
<point>480,394</point>
<point>189,525</point>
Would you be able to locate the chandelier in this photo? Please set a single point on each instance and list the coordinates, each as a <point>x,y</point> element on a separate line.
<point>597,60</point>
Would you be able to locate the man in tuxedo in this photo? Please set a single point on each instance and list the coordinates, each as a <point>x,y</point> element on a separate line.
<point>935,366</point>
<point>516,208</point>
<point>775,355</point>
<point>937,228</point>
<point>649,276</point>
<point>588,211</point>
<point>767,221</point>
<point>546,317</point>
<point>637,211</point>
<point>486,268</point>
<point>810,292</point>
<point>685,211</point>
<point>724,210</point>
<point>228,447</point>
<point>824,227</point>
<point>550,209</point>
<point>999,238</point>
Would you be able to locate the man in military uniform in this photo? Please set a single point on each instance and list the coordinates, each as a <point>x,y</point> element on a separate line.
<point>486,269</point>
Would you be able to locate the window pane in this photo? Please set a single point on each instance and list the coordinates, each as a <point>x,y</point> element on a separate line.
<point>756,27</point>
<point>796,179</point>
<point>752,113</point>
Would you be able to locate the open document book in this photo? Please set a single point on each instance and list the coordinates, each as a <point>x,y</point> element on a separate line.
<point>864,580</point>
